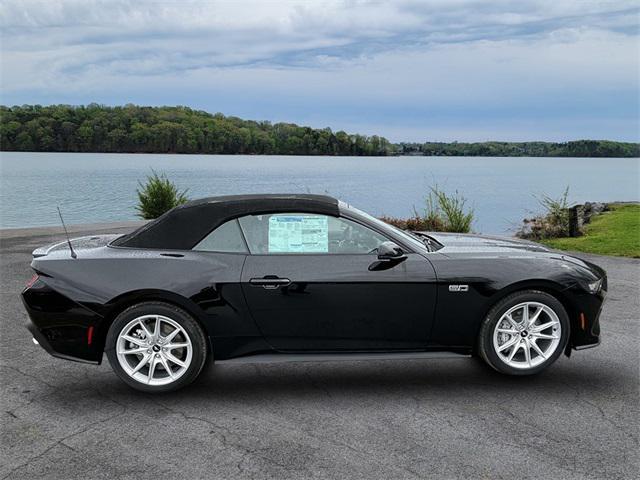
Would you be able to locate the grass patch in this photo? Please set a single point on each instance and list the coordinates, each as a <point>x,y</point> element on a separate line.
<point>616,232</point>
<point>444,213</point>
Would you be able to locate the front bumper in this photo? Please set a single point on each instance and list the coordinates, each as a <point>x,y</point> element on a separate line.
<point>585,331</point>
<point>584,347</point>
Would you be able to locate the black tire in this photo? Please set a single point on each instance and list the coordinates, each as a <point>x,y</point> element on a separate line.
<point>486,347</point>
<point>186,321</point>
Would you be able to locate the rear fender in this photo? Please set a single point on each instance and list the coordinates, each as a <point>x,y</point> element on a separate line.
<point>117,305</point>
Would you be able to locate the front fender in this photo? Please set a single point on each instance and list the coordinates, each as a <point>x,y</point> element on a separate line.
<point>459,313</point>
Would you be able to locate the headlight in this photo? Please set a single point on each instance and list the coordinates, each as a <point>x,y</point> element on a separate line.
<point>595,287</point>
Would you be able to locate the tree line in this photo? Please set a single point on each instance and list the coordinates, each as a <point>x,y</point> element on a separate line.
<point>578,148</point>
<point>136,129</point>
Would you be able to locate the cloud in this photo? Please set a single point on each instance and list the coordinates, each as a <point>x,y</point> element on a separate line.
<point>449,64</point>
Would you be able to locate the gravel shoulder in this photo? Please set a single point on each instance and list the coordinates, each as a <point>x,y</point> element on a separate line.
<point>435,419</point>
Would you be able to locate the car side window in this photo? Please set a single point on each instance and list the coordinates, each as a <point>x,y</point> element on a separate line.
<point>226,238</point>
<point>307,233</point>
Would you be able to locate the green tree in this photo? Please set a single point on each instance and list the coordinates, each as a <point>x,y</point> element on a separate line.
<point>132,128</point>
<point>158,195</point>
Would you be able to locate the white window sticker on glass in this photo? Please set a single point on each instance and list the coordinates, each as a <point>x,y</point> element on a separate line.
<point>298,234</point>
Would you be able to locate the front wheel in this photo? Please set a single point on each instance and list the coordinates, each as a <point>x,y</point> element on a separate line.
<point>524,333</point>
<point>156,347</point>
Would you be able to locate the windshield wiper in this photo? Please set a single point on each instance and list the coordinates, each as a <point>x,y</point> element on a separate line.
<point>423,238</point>
<point>431,244</point>
<point>428,243</point>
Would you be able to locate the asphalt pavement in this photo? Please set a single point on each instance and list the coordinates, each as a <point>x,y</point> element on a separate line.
<point>440,419</point>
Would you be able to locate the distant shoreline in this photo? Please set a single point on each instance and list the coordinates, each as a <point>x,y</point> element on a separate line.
<point>306,155</point>
<point>131,129</point>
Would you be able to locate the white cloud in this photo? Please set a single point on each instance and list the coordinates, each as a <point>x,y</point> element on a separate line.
<point>309,57</point>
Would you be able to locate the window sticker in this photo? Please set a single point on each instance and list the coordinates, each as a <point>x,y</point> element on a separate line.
<point>298,234</point>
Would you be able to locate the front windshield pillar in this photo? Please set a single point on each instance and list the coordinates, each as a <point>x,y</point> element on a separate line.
<point>402,236</point>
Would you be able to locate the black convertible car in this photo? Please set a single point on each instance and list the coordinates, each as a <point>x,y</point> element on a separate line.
<point>256,278</point>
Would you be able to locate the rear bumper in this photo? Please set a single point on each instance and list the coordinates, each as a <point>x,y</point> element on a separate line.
<point>44,343</point>
<point>62,327</point>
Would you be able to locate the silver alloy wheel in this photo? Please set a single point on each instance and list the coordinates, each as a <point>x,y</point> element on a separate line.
<point>527,335</point>
<point>154,350</point>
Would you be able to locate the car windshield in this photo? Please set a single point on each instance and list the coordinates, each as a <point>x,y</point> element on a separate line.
<point>409,238</point>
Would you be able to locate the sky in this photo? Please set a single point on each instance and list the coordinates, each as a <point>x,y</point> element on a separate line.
<point>431,70</point>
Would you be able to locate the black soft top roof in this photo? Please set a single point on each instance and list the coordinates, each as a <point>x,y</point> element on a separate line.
<point>184,226</point>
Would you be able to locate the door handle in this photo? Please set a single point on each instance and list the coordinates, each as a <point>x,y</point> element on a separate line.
<point>270,282</point>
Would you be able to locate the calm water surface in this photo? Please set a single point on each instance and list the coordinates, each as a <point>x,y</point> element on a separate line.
<point>102,187</point>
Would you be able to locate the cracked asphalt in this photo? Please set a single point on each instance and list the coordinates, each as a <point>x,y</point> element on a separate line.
<point>436,419</point>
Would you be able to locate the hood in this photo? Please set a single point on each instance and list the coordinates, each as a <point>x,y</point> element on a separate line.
<point>468,243</point>
<point>79,244</point>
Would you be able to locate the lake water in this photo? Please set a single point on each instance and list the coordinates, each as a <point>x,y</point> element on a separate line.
<point>97,187</point>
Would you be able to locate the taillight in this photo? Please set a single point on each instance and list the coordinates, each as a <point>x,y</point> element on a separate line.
<point>32,280</point>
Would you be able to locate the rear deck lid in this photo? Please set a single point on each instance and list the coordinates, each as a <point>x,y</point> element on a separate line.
<point>79,244</point>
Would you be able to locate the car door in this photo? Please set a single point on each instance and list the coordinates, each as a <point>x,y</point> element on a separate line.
<point>311,284</point>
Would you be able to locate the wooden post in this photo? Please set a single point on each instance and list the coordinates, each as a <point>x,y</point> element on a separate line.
<point>574,221</point>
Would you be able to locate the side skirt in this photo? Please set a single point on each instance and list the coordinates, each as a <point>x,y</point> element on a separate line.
<point>337,357</point>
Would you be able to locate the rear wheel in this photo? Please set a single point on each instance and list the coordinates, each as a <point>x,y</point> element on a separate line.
<point>156,347</point>
<point>524,333</point>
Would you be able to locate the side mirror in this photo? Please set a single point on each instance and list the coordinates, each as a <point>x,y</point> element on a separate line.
<point>389,255</point>
<point>390,251</point>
